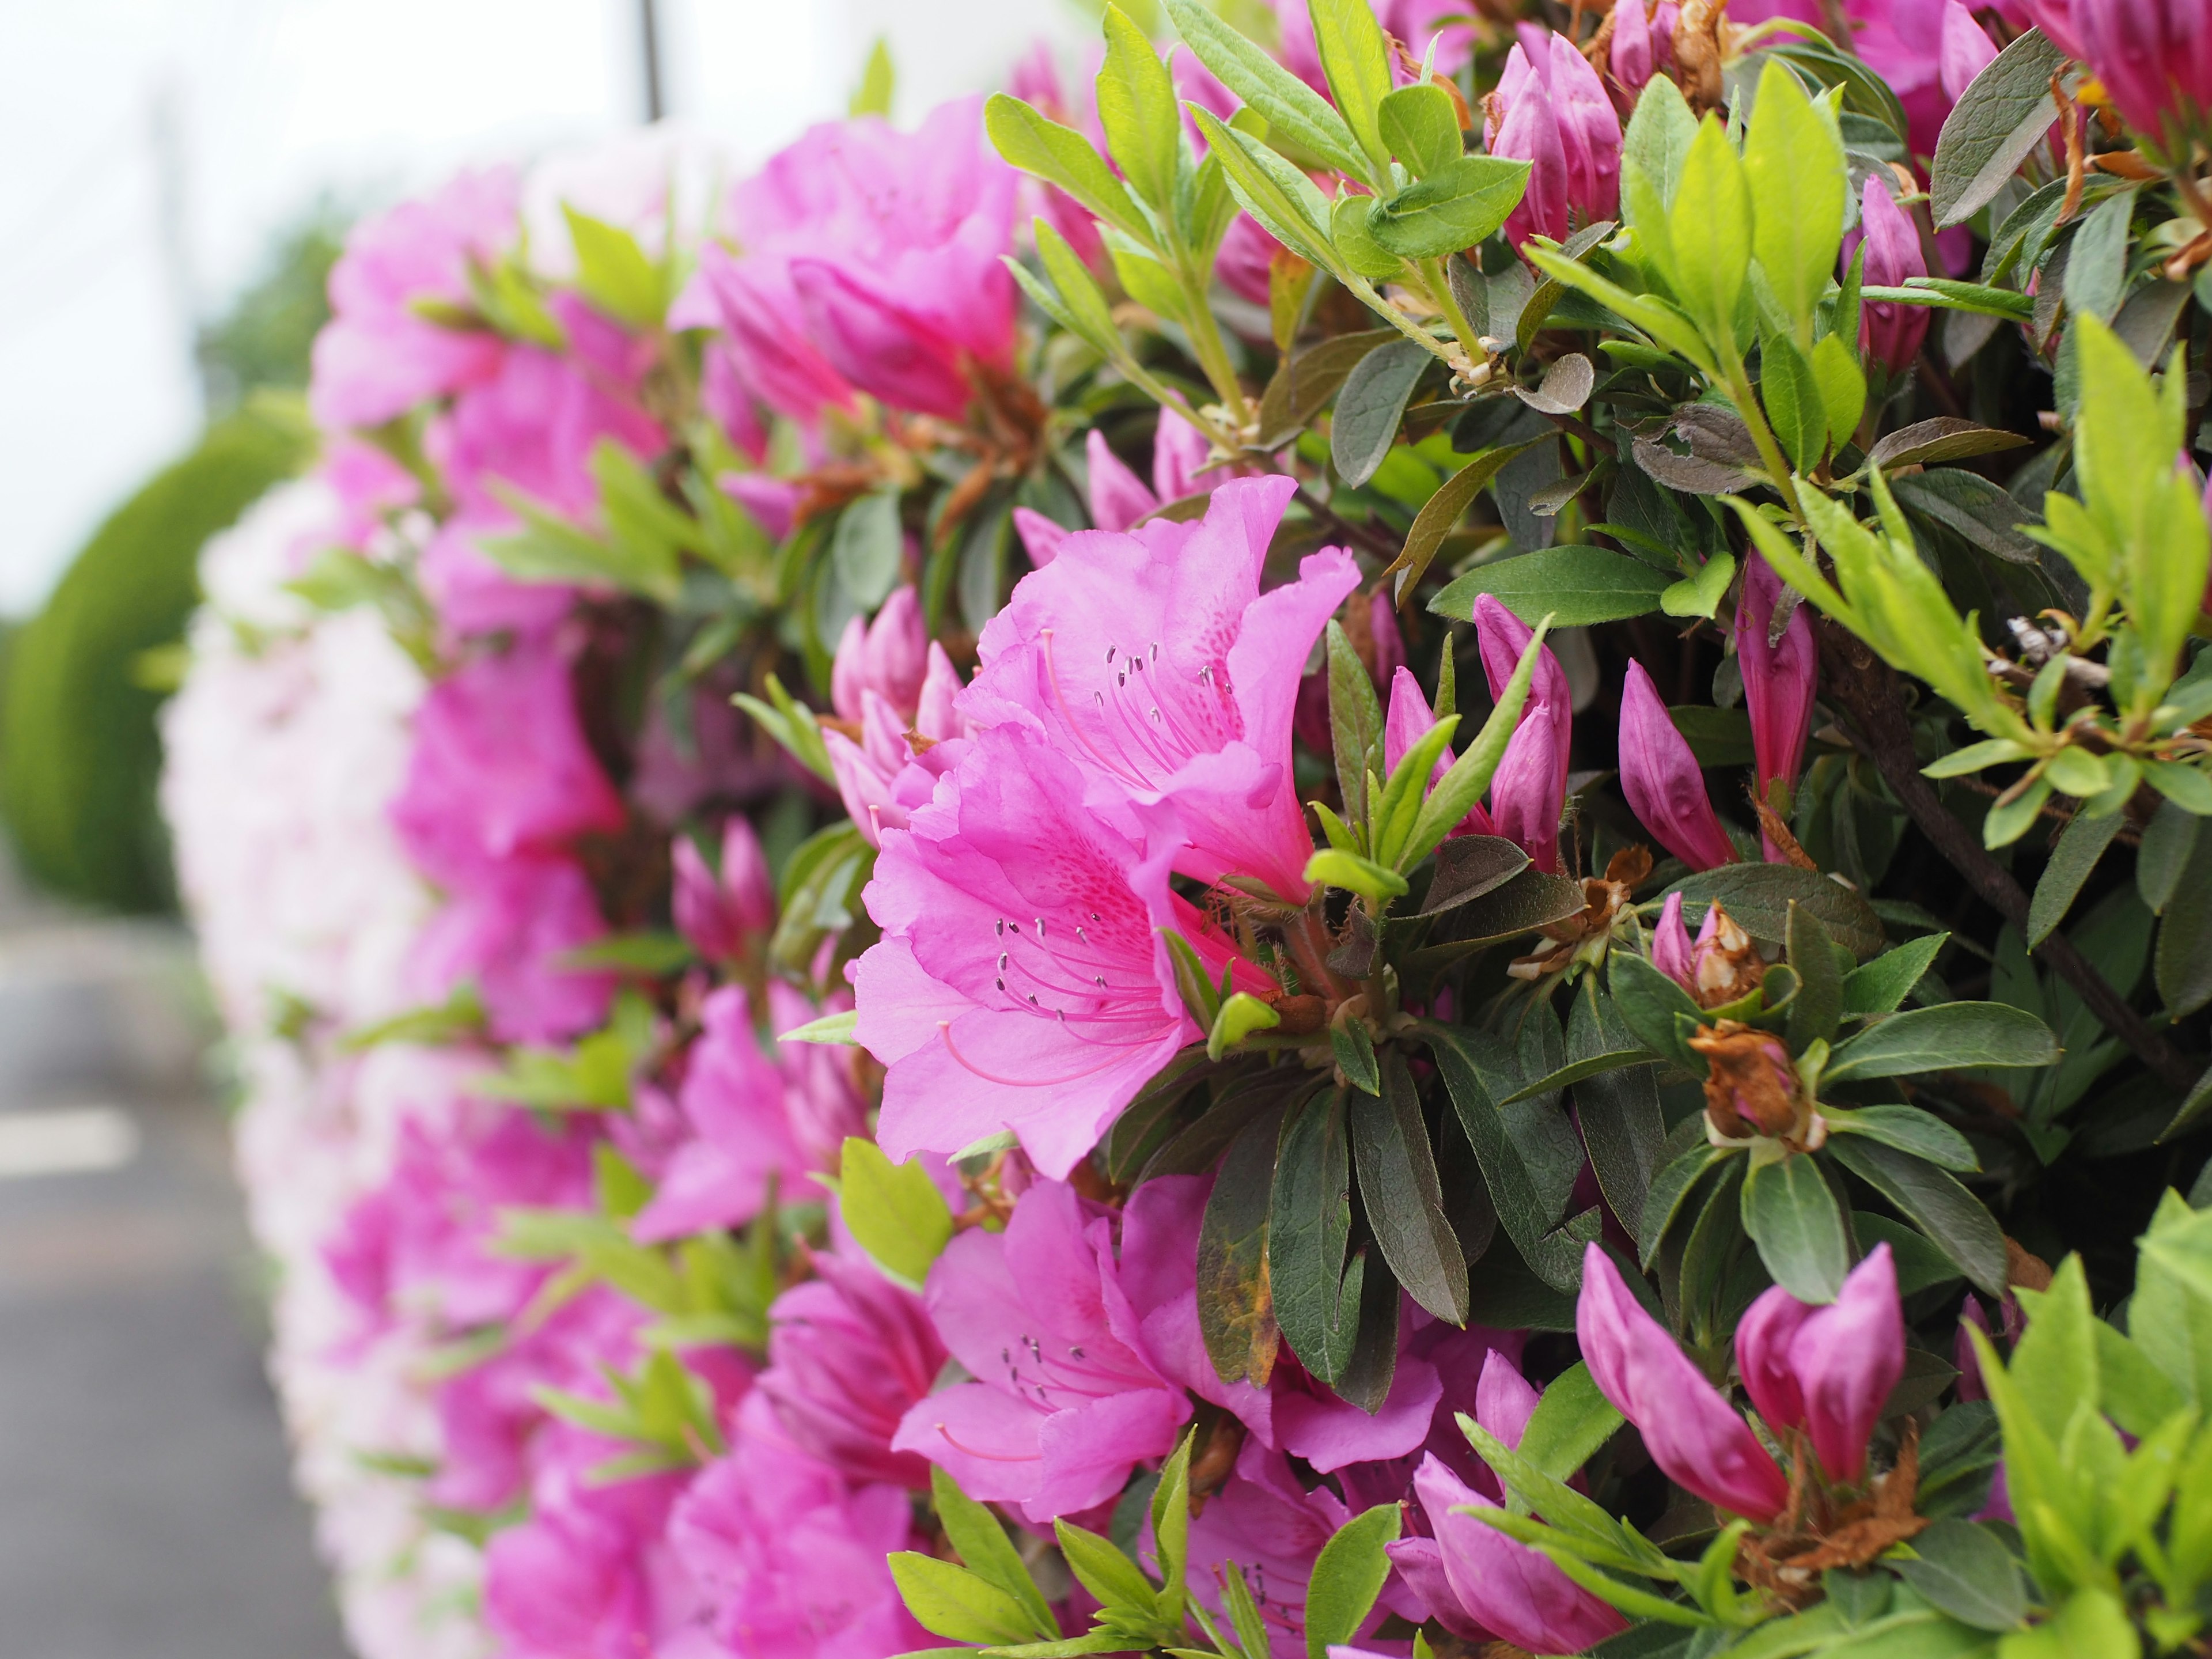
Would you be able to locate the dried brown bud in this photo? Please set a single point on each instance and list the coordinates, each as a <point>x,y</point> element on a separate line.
<point>1752,1089</point>
<point>1724,964</point>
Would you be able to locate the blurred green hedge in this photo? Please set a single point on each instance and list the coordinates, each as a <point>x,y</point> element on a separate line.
<point>79,758</point>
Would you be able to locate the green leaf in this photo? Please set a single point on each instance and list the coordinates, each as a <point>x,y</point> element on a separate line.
<point>1793,159</point>
<point>1355,1055</point>
<point>952,1601</point>
<point>1241,1014</point>
<point>1289,105</point>
<point>2183,963</point>
<point>837,1030</point>
<point>1842,385</point>
<point>614,273</point>
<point>1468,867</point>
<point>1569,1423</point>
<point>1943,293</point>
<point>1402,1196</point>
<point>1235,1313</point>
<point>1793,1217</point>
<point>1947,1214</point>
<point>1657,142</point>
<point>1370,405</point>
<point>1117,1582</point>
<point>1575,585</point>
<point>1949,1036</point>
<point>1710,225</point>
<point>1358,248</point>
<point>977,1533</point>
<point>1616,1104</point>
<point>1137,109</point>
<point>1308,1227</point>
<point>1355,874</point>
<point>1443,510</point>
<point>1355,719</point>
<point>1964,1570</point>
<point>1348,1575</point>
<point>1758,896</point>
<point>867,548</point>
<point>2002,116</point>
<point>2097,260</point>
<point>1420,127</point>
<point>1791,397</point>
<point>549,549</point>
<point>1356,61</point>
<point>2073,860</point>
<point>895,1213</point>
<point>1818,1008</point>
<point>2168,841</point>
<point>1909,1130</point>
<point>1459,205</point>
<point>1063,158</point>
<point>1700,595</point>
<point>1649,1003</point>
<point>1407,791</point>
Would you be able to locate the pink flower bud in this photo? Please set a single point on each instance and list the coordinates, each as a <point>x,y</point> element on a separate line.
<point>1631,57</point>
<point>1382,629</point>
<point>1118,496</point>
<point>888,657</point>
<point>717,914</point>
<point>1779,683</point>
<point>2154,59</point>
<point>1888,332</point>
<point>1670,943</point>
<point>1827,1370</point>
<point>1529,789</point>
<point>1691,1433</point>
<point>1179,456</point>
<point>1659,773</point>
<point>1529,132</point>
<point>1409,720</point>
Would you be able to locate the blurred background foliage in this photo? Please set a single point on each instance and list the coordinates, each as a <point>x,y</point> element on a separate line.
<point>80,682</point>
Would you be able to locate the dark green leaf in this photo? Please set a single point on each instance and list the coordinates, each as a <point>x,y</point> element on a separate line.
<point>1648,1002</point>
<point>2169,841</point>
<point>1942,438</point>
<point>1355,1055</point>
<point>1919,1264</point>
<point>1792,1216</point>
<point>1949,1036</point>
<point>1758,896</point>
<point>2073,860</point>
<point>2097,258</point>
<point>1949,1215</point>
<point>1235,1312</point>
<point>1818,1007</point>
<point>1878,986</point>
<point>1355,719</point>
<point>1965,1572</point>
<point>1670,1187</point>
<point>1970,506</point>
<point>1909,1130</point>
<point>1531,900</point>
<point>866,549</point>
<point>1306,380</point>
<point>2002,116</point>
<point>1367,1322</point>
<point>1467,867</point>
<point>1404,1201</point>
<point>1310,1223</point>
<point>1369,407</point>
<point>2182,965</point>
<point>1574,585</point>
<point>1443,510</point>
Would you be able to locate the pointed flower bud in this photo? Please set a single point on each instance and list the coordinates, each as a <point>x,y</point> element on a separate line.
<point>1670,943</point>
<point>1827,1370</point>
<point>1659,773</point>
<point>887,656</point>
<point>894,354</point>
<point>719,913</point>
<point>1691,1431</point>
<point>1889,332</point>
<point>1779,683</point>
<point>1529,789</point>
<point>1630,55</point>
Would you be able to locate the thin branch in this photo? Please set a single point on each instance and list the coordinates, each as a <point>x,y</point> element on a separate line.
<point>1868,693</point>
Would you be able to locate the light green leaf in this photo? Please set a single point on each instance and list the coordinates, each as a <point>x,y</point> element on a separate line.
<point>895,1213</point>
<point>1137,106</point>
<point>1710,225</point>
<point>1793,159</point>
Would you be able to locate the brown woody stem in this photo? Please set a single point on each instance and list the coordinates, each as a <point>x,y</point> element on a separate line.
<point>1869,696</point>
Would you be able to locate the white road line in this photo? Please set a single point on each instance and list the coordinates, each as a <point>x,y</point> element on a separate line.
<point>69,1141</point>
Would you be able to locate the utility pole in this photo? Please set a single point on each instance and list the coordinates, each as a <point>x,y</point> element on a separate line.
<point>648,31</point>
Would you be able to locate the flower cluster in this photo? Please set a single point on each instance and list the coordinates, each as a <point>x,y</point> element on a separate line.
<point>899,985</point>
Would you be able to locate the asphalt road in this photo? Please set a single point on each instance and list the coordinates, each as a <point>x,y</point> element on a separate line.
<point>145,1508</point>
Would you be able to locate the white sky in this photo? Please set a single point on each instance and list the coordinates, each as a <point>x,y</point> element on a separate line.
<point>223,120</point>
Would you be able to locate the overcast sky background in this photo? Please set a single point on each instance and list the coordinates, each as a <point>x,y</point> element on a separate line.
<point>156,147</point>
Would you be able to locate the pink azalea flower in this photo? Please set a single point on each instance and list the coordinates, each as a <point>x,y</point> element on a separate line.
<point>718,911</point>
<point>882,778</point>
<point>1827,1370</point>
<point>888,656</point>
<point>505,927</point>
<point>1691,1433</point>
<point>1118,496</point>
<point>1041,536</point>
<point>1022,982</point>
<point>1065,1402</point>
<point>750,1127</point>
<point>1409,719</point>
<point>2154,58</point>
<point>1889,332</point>
<point>1529,792</point>
<point>1780,682</point>
<point>1660,776</point>
<point>566,1585</point>
<point>379,357</point>
<point>849,1355</point>
<point>789,1554</point>
<point>1154,661</point>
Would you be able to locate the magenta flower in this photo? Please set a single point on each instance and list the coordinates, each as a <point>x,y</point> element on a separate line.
<point>789,1554</point>
<point>1691,1433</point>
<point>1827,1370</point>
<point>889,657</point>
<point>1042,537</point>
<point>1064,1402</point>
<point>849,1354</point>
<point>1118,496</point>
<point>718,913</point>
<point>380,356</point>
<point>567,1583</point>
<point>1022,982</point>
<point>1780,680</point>
<point>870,262</point>
<point>1529,792</point>
<point>1408,720</point>
<point>506,926</point>
<point>1154,662</point>
<point>750,1124</point>
<point>1889,332</point>
<point>1551,109</point>
<point>1660,776</point>
<point>1670,943</point>
<point>1640,43</point>
<point>2154,59</point>
<point>889,678</point>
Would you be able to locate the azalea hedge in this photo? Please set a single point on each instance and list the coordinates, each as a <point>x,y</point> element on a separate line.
<point>1379,838</point>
